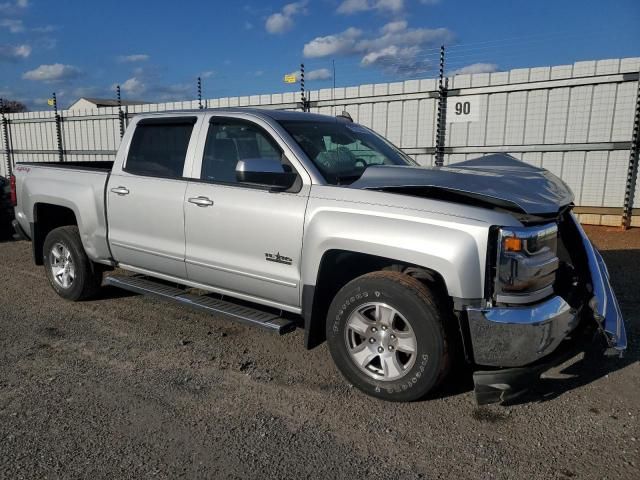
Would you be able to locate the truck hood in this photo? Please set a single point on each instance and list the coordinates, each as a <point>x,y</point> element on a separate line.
<point>496,180</point>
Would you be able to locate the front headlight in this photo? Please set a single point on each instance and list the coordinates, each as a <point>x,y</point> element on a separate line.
<point>526,263</point>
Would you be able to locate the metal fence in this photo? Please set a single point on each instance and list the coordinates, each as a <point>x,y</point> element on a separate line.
<point>575,120</point>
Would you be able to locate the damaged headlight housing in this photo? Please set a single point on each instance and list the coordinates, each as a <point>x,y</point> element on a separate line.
<point>526,263</point>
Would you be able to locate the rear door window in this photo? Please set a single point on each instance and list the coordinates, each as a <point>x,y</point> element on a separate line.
<point>159,147</point>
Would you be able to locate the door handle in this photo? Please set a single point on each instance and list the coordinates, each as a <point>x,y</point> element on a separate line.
<point>201,201</point>
<point>120,190</point>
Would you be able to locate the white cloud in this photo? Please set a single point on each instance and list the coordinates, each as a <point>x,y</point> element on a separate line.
<point>392,59</point>
<point>22,51</point>
<point>14,52</point>
<point>248,25</point>
<point>311,75</point>
<point>13,7</point>
<point>375,57</point>
<point>338,44</point>
<point>207,74</point>
<point>278,23</point>
<point>52,73</point>
<point>133,86</point>
<point>398,34</point>
<point>476,68</point>
<point>136,57</point>
<point>394,27</point>
<point>390,5</point>
<point>319,74</point>
<point>148,84</point>
<point>396,48</point>
<point>349,7</point>
<point>282,21</point>
<point>14,26</point>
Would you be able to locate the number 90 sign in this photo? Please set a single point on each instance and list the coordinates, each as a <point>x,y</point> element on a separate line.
<point>463,109</point>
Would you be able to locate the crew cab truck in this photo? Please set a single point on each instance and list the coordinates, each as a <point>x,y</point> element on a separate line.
<point>289,218</point>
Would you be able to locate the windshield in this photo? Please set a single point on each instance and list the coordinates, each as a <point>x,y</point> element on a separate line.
<point>342,151</point>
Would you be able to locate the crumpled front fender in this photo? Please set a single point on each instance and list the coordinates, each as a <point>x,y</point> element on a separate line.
<point>604,303</point>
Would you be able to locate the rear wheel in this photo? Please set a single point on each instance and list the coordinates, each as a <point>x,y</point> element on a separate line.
<point>386,336</point>
<point>70,272</point>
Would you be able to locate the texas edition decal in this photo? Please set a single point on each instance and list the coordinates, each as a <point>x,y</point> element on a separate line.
<point>276,257</point>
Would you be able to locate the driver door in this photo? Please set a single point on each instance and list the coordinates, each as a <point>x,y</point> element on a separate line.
<point>243,239</point>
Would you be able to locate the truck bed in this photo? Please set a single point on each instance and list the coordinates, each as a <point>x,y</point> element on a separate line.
<point>78,187</point>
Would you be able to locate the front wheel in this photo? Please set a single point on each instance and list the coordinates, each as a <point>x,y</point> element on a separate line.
<point>70,272</point>
<point>386,336</point>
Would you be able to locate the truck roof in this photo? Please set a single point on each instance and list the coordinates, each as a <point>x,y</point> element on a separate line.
<point>277,115</point>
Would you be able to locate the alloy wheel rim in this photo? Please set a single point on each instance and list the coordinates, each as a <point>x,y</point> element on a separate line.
<point>380,341</point>
<point>62,267</point>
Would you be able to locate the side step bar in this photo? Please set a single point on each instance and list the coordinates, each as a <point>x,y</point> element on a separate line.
<point>247,315</point>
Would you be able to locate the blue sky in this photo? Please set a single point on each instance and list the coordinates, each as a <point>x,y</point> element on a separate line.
<point>156,49</point>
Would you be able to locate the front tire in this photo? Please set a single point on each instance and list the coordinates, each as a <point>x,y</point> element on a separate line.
<point>69,271</point>
<point>386,336</point>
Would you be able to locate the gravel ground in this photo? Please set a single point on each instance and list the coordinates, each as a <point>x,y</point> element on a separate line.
<point>127,386</point>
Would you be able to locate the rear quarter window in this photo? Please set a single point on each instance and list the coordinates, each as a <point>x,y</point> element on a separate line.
<point>159,147</point>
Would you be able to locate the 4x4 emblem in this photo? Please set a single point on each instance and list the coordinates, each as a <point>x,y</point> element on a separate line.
<point>276,257</point>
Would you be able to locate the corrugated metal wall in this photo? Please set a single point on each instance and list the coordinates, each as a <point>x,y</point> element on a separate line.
<point>575,120</point>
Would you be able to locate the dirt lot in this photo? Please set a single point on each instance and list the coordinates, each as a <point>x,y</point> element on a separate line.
<point>127,386</point>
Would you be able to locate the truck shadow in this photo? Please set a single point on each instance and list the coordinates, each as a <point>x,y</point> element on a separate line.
<point>107,292</point>
<point>6,233</point>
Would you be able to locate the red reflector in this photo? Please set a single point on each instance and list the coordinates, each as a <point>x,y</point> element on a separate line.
<point>14,193</point>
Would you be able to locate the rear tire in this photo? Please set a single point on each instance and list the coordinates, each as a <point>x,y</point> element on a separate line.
<point>69,271</point>
<point>386,336</point>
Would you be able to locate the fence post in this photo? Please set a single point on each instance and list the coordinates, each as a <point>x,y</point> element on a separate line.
<point>632,172</point>
<point>58,128</point>
<point>200,93</point>
<point>120,113</point>
<point>5,136</point>
<point>441,126</point>
<point>302,95</point>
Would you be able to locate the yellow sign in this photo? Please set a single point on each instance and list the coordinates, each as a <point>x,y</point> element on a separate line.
<point>50,102</point>
<point>291,78</point>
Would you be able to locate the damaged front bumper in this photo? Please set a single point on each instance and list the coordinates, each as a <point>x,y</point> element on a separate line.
<point>518,344</point>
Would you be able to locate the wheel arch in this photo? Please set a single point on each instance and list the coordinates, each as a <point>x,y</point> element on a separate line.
<point>338,267</point>
<point>47,217</point>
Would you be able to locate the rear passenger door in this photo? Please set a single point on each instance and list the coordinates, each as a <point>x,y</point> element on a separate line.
<point>145,197</point>
<point>243,239</point>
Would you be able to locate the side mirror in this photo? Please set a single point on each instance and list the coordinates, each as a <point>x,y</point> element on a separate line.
<point>267,172</point>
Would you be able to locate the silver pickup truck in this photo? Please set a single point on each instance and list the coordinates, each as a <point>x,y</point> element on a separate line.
<point>284,219</point>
